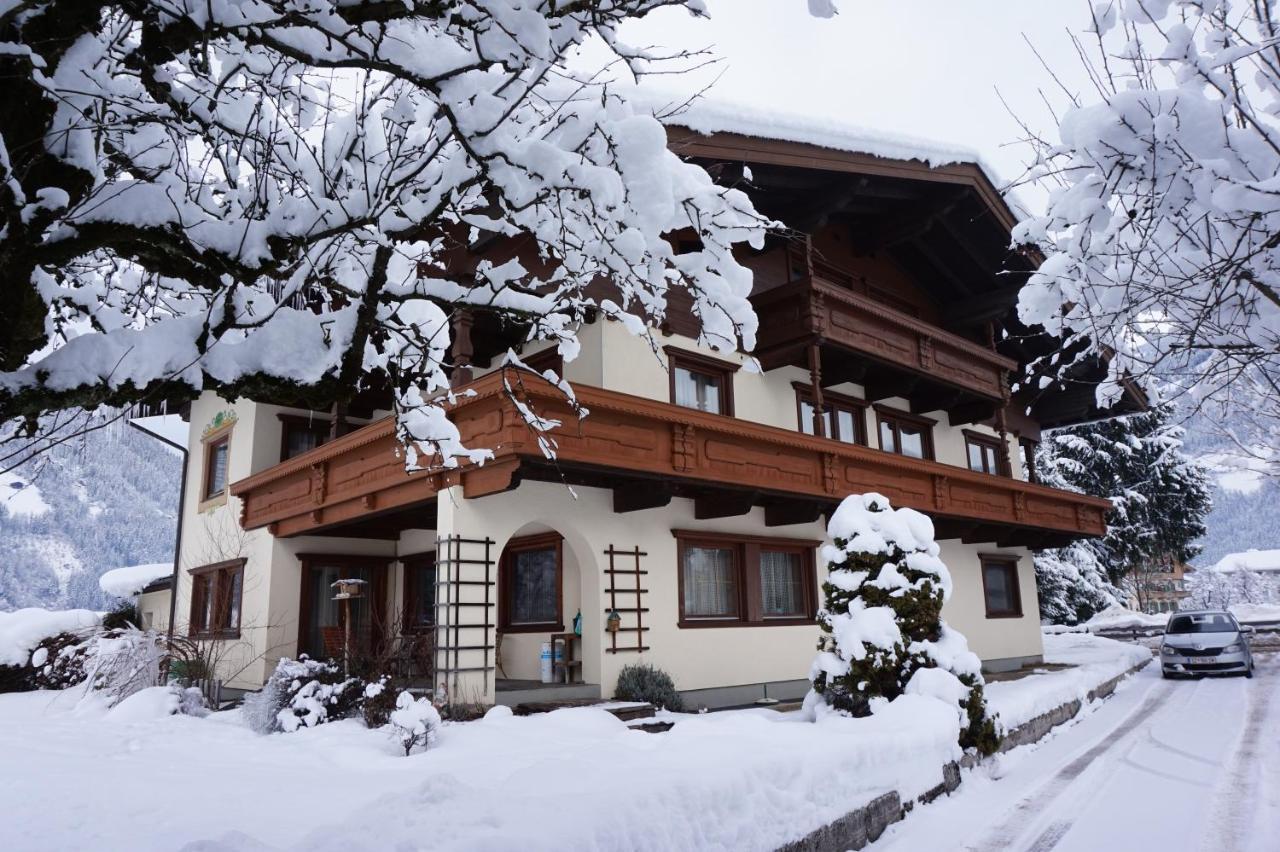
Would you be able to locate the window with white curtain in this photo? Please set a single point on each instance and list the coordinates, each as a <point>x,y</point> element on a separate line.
<point>781,584</point>
<point>696,389</point>
<point>710,582</point>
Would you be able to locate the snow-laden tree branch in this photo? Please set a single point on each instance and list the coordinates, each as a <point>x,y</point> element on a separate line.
<point>1162,231</point>
<point>286,194</point>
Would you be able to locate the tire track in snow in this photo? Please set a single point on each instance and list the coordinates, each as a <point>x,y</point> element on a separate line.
<point>1022,814</point>
<point>1235,801</point>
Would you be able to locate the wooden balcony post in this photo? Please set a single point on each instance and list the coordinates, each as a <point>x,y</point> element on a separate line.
<point>338,426</point>
<point>815,379</point>
<point>462,349</point>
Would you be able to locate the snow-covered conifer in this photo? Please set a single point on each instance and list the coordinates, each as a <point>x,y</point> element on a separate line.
<point>882,630</point>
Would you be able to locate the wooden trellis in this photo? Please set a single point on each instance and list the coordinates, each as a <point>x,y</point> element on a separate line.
<point>456,646</point>
<point>616,589</point>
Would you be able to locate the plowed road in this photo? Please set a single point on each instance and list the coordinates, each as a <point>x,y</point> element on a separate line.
<point>1174,766</point>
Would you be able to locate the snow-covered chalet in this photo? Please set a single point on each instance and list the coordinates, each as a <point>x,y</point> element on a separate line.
<point>679,523</point>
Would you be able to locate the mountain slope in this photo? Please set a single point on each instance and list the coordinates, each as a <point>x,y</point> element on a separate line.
<point>80,511</point>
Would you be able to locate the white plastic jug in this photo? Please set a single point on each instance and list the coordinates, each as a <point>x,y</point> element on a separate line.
<point>544,668</point>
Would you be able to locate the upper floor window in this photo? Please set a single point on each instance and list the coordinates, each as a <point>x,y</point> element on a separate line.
<point>842,416</point>
<point>216,593</point>
<point>299,434</point>
<point>700,382</point>
<point>1027,455</point>
<point>983,453</point>
<point>216,456</point>
<point>728,580</point>
<point>1000,588</point>
<point>905,434</point>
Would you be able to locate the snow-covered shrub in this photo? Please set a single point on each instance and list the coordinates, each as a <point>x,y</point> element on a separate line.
<point>643,682</point>
<point>123,617</point>
<point>414,722</point>
<point>379,701</point>
<point>60,661</point>
<point>303,693</point>
<point>122,662</point>
<point>882,629</point>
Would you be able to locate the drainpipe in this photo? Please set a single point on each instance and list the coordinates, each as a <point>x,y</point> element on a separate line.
<point>177,535</point>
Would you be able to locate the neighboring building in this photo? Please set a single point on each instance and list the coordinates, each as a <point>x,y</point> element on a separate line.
<point>1163,590</point>
<point>1252,560</point>
<point>690,501</point>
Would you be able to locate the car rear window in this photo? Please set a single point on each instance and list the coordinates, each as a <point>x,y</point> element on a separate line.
<point>1208,623</point>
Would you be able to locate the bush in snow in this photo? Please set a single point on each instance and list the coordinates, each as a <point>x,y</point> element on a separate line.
<point>379,701</point>
<point>415,722</point>
<point>123,617</point>
<point>883,634</point>
<point>59,662</point>
<point>122,662</point>
<point>643,682</point>
<point>303,693</point>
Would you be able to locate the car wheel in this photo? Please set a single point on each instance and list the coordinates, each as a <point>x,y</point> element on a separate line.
<point>1165,674</point>
<point>1249,671</point>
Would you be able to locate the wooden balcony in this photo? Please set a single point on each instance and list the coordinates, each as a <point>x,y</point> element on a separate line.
<point>648,452</point>
<point>890,352</point>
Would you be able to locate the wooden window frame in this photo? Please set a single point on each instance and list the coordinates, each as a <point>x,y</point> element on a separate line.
<point>698,363</point>
<point>1010,563</point>
<point>834,401</point>
<point>220,576</point>
<point>746,557</point>
<point>992,442</point>
<point>1029,447</point>
<point>540,541</point>
<point>377,591</point>
<point>207,497</point>
<point>894,417</point>
<point>545,359</point>
<point>410,566</point>
<point>321,425</point>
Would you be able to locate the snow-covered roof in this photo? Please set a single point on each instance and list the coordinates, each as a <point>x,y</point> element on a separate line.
<point>170,428</point>
<point>710,114</point>
<point>1249,560</point>
<point>128,581</point>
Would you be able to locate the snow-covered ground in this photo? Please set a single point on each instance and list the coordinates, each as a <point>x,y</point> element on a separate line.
<point>577,778</point>
<point>1176,766</point>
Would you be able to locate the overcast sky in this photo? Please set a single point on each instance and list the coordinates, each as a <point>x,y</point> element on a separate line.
<point>928,69</point>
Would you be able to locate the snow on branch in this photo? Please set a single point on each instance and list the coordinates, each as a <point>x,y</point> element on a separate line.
<point>307,196</point>
<point>1162,231</point>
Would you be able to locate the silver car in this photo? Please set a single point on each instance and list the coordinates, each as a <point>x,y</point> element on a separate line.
<point>1205,642</point>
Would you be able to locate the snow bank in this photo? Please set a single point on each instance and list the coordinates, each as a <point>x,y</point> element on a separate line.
<point>1116,617</point>
<point>745,780</point>
<point>128,581</point>
<point>22,630</point>
<point>154,702</point>
<point>1094,660</point>
<point>1247,612</point>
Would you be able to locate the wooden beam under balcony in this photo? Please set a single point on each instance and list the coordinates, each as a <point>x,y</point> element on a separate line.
<point>629,442</point>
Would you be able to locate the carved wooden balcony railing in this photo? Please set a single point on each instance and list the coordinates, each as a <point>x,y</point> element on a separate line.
<point>640,445</point>
<point>815,310</point>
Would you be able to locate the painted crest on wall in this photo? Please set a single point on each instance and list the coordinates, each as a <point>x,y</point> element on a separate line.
<point>221,420</point>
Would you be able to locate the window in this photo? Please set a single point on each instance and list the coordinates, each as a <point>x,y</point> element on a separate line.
<point>842,417</point>
<point>419,592</point>
<point>216,454</point>
<point>1027,455</point>
<point>983,453</point>
<point>1000,587</point>
<point>711,588</point>
<point>299,434</point>
<point>216,592</point>
<point>531,585</point>
<point>322,621</point>
<point>904,434</point>
<point>738,581</point>
<point>701,382</point>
